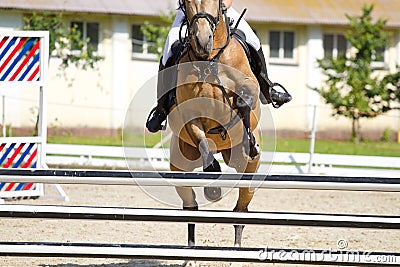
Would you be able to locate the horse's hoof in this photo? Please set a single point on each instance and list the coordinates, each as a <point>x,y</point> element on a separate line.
<point>213,167</point>
<point>213,194</point>
<point>254,151</point>
<point>189,264</point>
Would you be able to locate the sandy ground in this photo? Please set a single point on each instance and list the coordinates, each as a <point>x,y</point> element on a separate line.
<point>207,234</point>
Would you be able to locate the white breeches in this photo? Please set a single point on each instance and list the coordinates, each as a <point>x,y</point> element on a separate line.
<point>173,35</point>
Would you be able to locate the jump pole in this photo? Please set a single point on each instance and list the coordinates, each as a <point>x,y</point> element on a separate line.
<point>311,182</point>
<point>200,253</point>
<point>185,216</point>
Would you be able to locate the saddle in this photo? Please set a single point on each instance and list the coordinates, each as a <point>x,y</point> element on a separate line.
<point>257,64</point>
<point>241,38</point>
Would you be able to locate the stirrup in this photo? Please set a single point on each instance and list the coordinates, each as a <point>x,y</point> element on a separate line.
<point>277,103</point>
<point>160,125</point>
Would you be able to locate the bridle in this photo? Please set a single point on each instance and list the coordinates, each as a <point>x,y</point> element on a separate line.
<point>213,21</point>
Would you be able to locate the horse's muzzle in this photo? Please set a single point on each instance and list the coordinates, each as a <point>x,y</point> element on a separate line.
<point>203,41</point>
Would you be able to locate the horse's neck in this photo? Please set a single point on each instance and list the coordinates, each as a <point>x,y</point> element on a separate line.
<point>221,34</point>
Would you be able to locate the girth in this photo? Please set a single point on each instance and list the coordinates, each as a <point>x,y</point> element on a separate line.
<point>223,129</point>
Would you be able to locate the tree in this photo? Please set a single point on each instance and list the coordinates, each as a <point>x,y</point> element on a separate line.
<point>65,42</point>
<point>353,88</point>
<point>156,33</point>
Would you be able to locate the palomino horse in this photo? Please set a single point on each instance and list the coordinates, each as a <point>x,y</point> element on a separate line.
<point>218,105</point>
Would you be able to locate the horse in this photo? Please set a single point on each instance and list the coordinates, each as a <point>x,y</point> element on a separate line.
<point>217,105</point>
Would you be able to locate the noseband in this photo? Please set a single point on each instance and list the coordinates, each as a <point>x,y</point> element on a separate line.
<point>204,15</point>
<point>210,18</point>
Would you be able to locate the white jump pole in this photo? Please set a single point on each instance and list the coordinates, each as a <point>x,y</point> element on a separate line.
<point>311,182</point>
<point>173,215</point>
<point>169,252</point>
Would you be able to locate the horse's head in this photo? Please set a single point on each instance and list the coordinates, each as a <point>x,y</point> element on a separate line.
<point>203,17</point>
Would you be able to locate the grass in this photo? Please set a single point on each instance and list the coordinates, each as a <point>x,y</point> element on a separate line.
<point>370,148</point>
<point>135,140</point>
<point>85,140</point>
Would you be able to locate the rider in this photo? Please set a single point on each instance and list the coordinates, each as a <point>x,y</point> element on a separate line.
<point>165,100</point>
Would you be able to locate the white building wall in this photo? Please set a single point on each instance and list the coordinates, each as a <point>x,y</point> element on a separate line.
<point>142,87</point>
<point>291,76</point>
<point>120,69</point>
<point>15,109</point>
<point>315,51</point>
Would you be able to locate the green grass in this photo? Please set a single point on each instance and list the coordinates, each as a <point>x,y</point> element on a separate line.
<point>135,140</point>
<point>369,148</point>
<point>85,140</point>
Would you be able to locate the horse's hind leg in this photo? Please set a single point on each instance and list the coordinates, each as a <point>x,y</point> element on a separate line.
<point>235,158</point>
<point>245,196</point>
<point>189,203</point>
<point>187,158</point>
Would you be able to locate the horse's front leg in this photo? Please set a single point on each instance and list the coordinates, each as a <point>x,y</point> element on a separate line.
<point>210,164</point>
<point>197,134</point>
<point>183,158</point>
<point>245,103</point>
<point>189,203</point>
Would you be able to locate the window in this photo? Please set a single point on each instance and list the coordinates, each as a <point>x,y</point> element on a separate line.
<point>379,55</point>
<point>334,45</point>
<point>282,45</point>
<point>140,45</point>
<point>89,31</point>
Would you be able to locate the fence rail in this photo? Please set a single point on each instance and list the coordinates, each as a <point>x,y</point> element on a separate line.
<point>224,217</point>
<point>200,253</point>
<point>232,254</point>
<point>157,158</point>
<point>312,182</point>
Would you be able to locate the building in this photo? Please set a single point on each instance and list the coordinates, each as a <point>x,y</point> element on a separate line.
<point>294,34</point>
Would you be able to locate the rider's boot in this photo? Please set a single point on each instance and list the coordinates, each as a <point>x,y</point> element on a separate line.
<point>166,89</point>
<point>166,96</point>
<point>268,94</point>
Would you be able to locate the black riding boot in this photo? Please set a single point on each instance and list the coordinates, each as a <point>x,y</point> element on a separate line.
<point>166,99</point>
<point>166,89</point>
<point>268,94</point>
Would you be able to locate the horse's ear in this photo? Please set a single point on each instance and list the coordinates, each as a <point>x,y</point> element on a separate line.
<point>182,5</point>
